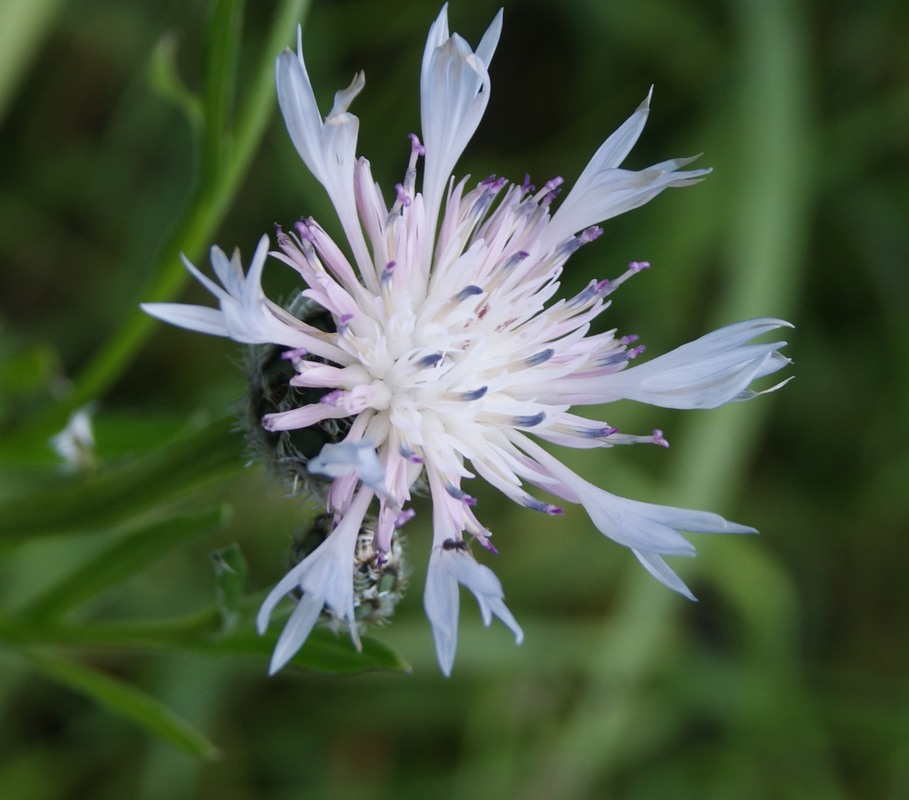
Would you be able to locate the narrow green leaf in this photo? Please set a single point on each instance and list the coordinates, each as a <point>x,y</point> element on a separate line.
<point>223,47</point>
<point>128,702</point>
<point>324,651</point>
<point>230,581</point>
<point>92,504</point>
<point>198,633</point>
<point>123,558</point>
<point>165,79</point>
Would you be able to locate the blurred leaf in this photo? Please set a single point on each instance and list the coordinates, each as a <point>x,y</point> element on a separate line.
<point>28,370</point>
<point>84,505</point>
<point>127,701</point>
<point>122,559</point>
<point>324,650</point>
<point>24,25</point>
<point>223,47</point>
<point>230,580</point>
<point>165,79</point>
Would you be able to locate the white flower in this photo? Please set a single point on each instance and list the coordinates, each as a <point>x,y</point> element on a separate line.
<point>450,354</point>
<point>75,444</point>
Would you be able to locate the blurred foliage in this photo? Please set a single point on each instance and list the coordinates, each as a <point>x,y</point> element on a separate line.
<point>131,131</point>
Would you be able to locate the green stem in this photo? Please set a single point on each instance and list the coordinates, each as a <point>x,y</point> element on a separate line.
<point>207,207</point>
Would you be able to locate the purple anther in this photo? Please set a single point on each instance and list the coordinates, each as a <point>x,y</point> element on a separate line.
<point>636,351</point>
<point>487,545</point>
<point>528,421</point>
<point>343,322</point>
<point>488,181</point>
<point>609,430</point>
<point>415,144</point>
<point>554,183</point>
<point>631,338</point>
<point>590,291</point>
<point>332,398</point>
<point>468,291</point>
<point>527,186</point>
<point>460,494</point>
<point>544,508</point>
<point>410,455</point>
<point>474,394</point>
<point>282,237</point>
<point>297,352</point>
<point>387,272</point>
<point>612,359</point>
<point>514,260</point>
<point>590,234</point>
<point>657,435</point>
<point>539,358</point>
<point>404,517</point>
<point>401,195</point>
<point>429,361</point>
<point>637,266</point>
<point>454,491</point>
<point>304,231</point>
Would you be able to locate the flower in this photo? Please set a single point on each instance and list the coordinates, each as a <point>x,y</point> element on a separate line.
<point>450,356</point>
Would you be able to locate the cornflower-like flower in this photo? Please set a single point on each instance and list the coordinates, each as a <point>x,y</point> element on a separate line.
<point>449,357</point>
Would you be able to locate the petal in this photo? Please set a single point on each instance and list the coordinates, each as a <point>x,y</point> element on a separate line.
<point>448,568</point>
<point>338,460</point>
<point>183,315</point>
<point>297,629</point>
<point>454,92</point>
<point>441,602</point>
<point>705,373</point>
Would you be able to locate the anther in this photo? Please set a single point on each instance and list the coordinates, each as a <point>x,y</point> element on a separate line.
<point>539,358</point>
<point>474,394</point>
<point>468,291</point>
<point>657,437</point>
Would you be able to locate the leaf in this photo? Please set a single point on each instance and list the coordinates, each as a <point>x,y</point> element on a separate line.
<point>222,55</point>
<point>122,559</point>
<point>165,79</point>
<point>230,576</point>
<point>85,505</point>
<point>128,702</point>
<point>324,651</point>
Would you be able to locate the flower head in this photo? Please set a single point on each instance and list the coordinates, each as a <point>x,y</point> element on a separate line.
<point>449,355</point>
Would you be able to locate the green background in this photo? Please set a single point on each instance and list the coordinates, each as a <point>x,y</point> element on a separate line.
<point>127,666</point>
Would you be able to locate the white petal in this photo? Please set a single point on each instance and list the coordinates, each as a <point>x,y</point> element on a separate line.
<point>663,573</point>
<point>325,577</point>
<point>448,568</point>
<point>705,373</point>
<point>338,460</point>
<point>296,631</point>
<point>194,318</point>
<point>454,92</point>
<point>441,602</point>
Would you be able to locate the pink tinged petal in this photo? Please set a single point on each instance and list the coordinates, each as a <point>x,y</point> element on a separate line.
<point>302,417</point>
<point>705,373</point>
<point>339,460</point>
<point>441,600</point>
